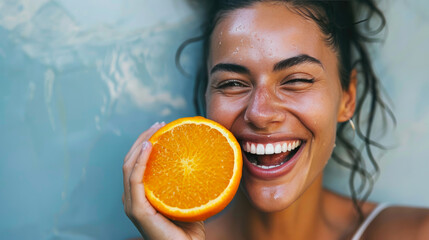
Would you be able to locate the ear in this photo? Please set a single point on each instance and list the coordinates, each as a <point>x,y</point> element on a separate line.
<point>348,99</point>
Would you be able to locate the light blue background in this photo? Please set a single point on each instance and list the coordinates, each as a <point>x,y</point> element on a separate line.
<point>80,80</point>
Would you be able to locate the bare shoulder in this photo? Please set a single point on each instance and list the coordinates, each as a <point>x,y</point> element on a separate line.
<point>398,222</point>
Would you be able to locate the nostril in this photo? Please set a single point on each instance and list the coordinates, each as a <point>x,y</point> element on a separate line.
<point>261,118</point>
<point>263,109</point>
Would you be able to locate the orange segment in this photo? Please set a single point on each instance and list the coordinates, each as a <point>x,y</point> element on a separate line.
<point>194,169</point>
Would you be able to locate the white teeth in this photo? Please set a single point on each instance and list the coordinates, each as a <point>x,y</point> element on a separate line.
<point>278,148</point>
<point>284,147</point>
<point>260,149</point>
<point>253,149</point>
<point>267,167</point>
<point>270,148</point>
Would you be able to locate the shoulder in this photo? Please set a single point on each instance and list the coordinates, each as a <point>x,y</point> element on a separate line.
<point>393,222</point>
<point>399,222</point>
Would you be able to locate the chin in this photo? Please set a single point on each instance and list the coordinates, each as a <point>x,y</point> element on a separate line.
<point>267,197</point>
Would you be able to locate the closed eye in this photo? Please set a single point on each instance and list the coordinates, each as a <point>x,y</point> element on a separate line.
<point>230,84</point>
<point>299,80</point>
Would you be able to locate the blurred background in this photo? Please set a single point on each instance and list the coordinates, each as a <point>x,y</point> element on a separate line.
<point>80,80</point>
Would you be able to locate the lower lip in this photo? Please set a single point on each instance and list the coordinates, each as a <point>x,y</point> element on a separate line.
<point>268,174</point>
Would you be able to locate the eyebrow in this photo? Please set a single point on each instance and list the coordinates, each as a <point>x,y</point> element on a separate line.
<point>230,67</point>
<point>283,64</point>
<point>300,59</point>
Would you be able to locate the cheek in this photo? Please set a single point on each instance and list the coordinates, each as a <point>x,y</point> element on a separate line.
<point>318,113</point>
<point>322,121</point>
<point>221,110</point>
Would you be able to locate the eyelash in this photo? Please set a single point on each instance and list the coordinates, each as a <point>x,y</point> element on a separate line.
<point>295,80</point>
<point>230,83</point>
<point>235,83</point>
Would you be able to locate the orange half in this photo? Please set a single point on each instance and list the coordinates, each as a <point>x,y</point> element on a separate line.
<point>194,169</point>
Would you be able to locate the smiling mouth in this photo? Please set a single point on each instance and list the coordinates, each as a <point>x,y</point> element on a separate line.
<point>270,155</point>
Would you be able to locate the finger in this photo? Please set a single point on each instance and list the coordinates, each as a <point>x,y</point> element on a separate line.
<point>143,137</point>
<point>129,163</point>
<point>127,170</point>
<point>136,178</point>
<point>155,225</point>
<point>131,158</point>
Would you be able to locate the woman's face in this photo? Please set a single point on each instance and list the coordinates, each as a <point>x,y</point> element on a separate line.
<point>274,83</point>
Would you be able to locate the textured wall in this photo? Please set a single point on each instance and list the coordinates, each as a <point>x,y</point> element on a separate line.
<point>401,62</point>
<point>79,80</point>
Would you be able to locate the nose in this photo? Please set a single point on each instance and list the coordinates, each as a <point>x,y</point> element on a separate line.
<point>264,109</point>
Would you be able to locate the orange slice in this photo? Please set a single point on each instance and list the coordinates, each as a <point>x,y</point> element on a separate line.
<point>194,169</point>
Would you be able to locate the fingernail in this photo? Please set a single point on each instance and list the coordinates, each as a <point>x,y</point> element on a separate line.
<point>145,145</point>
<point>153,125</point>
<point>163,123</point>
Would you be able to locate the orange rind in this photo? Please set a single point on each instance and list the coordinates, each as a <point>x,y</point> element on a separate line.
<point>194,169</point>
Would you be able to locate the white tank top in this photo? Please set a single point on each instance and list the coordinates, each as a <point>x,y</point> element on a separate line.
<point>380,207</point>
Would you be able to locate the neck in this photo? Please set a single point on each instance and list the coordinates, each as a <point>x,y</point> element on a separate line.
<point>293,222</point>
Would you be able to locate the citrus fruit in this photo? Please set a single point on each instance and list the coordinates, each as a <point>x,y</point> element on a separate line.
<point>194,169</point>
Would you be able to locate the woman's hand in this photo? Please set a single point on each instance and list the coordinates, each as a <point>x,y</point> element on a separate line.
<point>150,223</point>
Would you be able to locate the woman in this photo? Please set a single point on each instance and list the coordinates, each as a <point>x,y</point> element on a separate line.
<point>281,72</point>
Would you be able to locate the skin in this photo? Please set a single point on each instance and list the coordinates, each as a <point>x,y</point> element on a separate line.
<point>266,105</point>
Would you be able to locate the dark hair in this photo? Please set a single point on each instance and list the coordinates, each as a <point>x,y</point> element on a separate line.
<point>348,36</point>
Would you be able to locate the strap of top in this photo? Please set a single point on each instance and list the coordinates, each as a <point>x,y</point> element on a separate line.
<point>380,207</point>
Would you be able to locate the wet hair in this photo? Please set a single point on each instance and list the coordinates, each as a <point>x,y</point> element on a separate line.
<point>348,36</point>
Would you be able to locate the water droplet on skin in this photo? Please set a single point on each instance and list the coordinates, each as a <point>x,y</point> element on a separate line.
<point>236,50</point>
<point>276,196</point>
<point>240,28</point>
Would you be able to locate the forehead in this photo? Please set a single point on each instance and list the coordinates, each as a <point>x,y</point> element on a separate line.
<point>266,30</point>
